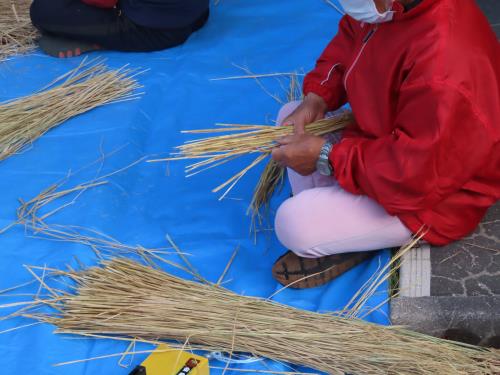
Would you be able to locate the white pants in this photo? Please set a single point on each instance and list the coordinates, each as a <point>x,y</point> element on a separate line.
<point>323,219</point>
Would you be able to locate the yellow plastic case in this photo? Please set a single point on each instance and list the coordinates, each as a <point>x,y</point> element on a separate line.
<point>168,361</point>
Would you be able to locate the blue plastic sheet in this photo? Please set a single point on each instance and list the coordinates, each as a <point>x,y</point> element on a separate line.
<point>147,201</point>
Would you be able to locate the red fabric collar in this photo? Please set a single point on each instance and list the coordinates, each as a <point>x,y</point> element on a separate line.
<point>400,14</point>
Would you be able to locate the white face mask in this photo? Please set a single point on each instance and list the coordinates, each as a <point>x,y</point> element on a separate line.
<point>366,11</point>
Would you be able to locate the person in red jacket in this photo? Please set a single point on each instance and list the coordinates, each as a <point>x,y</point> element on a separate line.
<point>72,27</point>
<point>423,154</point>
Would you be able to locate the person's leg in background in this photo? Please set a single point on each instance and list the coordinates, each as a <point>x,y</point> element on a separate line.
<point>327,229</point>
<point>70,27</point>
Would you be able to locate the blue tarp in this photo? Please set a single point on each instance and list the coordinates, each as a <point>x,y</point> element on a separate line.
<point>147,201</point>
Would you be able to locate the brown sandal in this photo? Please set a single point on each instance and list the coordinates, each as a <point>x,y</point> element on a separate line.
<point>300,273</point>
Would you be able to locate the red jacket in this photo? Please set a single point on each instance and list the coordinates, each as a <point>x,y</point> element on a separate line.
<point>425,93</point>
<point>101,3</point>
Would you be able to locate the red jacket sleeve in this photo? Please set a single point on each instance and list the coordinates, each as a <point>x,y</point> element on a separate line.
<point>101,3</point>
<point>440,141</point>
<point>326,79</point>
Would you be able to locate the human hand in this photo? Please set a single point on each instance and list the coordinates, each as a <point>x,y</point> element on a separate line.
<point>312,108</point>
<point>299,152</point>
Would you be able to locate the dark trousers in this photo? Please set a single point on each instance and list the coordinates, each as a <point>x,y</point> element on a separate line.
<point>108,28</point>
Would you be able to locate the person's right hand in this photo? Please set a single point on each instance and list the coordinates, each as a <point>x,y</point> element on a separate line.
<point>312,108</point>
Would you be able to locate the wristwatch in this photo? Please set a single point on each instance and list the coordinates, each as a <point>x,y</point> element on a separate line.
<point>323,164</point>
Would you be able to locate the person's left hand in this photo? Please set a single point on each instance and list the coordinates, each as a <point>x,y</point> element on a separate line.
<point>299,152</point>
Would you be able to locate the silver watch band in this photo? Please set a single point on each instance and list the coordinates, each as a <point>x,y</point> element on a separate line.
<point>323,165</point>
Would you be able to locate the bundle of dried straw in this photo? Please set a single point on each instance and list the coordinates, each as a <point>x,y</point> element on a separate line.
<point>17,34</point>
<point>125,299</point>
<point>271,180</point>
<point>243,140</point>
<point>88,86</point>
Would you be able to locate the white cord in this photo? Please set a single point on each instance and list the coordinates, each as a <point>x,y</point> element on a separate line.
<point>235,358</point>
<point>330,2</point>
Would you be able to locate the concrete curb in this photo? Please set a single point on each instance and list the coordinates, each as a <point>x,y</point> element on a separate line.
<point>474,320</point>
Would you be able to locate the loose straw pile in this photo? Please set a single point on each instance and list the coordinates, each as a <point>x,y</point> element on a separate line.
<point>34,213</point>
<point>122,298</point>
<point>243,140</point>
<point>17,34</point>
<point>86,87</point>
